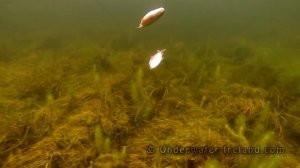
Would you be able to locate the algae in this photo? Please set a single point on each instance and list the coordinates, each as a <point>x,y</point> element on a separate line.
<point>82,104</point>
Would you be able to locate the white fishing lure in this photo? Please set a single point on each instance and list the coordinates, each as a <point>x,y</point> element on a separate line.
<point>151,17</point>
<point>156,59</point>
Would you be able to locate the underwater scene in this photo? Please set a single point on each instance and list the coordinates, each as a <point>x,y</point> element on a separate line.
<point>149,83</point>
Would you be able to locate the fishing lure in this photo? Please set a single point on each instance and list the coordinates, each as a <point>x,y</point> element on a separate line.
<point>151,17</point>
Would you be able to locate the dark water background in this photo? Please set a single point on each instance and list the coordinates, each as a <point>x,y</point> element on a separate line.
<point>189,20</point>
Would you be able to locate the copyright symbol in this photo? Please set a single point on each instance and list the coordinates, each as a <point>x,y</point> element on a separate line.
<point>150,149</point>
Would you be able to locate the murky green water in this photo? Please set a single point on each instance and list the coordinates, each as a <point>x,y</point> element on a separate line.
<point>76,89</point>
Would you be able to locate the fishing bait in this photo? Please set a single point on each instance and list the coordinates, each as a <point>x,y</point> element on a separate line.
<point>156,59</point>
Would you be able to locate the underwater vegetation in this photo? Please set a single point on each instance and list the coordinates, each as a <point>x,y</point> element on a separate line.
<point>81,104</point>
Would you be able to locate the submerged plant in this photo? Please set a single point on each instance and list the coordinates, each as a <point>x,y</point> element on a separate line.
<point>102,142</point>
<point>261,137</point>
<point>82,105</point>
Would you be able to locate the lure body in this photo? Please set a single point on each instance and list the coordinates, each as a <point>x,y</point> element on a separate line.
<point>156,59</point>
<point>151,17</point>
